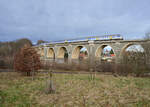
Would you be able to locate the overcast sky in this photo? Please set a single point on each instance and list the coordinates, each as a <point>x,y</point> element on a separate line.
<point>61,19</point>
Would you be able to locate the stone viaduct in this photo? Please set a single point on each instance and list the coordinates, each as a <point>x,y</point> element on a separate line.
<point>56,51</point>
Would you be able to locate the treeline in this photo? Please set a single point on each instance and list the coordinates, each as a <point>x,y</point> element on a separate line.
<point>9,49</point>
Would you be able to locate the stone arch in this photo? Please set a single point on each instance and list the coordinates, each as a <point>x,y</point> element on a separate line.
<point>42,52</point>
<point>76,51</point>
<point>127,46</point>
<point>61,52</point>
<point>100,49</point>
<point>50,53</point>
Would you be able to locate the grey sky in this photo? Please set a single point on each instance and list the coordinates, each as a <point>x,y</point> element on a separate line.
<point>60,19</point>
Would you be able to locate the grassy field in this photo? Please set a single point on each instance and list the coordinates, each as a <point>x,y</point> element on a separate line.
<point>77,90</point>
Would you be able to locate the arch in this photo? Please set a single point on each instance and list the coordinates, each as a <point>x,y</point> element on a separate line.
<point>127,46</point>
<point>50,53</point>
<point>62,52</point>
<point>42,52</point>
<point>76,52</point>
<point>99,50</point>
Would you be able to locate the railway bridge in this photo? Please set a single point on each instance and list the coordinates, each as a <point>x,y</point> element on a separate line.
<point>57,51</point>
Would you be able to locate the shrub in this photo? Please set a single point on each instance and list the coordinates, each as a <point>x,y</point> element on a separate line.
<point>27,60</point>
<point>73,66</point>
<point>104,66</point>
<point>133,63</point>
<point>2,63</point>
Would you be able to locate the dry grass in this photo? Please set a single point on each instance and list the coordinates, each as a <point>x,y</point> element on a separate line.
<point>74,90</point>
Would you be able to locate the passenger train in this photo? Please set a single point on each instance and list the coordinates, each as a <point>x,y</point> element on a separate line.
<point>94,38</point>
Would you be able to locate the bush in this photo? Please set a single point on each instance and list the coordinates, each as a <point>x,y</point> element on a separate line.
<point>133,63</point>
<point>104,66</point>
<point>81,66</point>
<point>2,63</point>
<point>27,60</point>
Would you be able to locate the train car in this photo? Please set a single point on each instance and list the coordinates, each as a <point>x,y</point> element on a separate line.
<point>117,37</point>
<point>111,37</point>
<point>78,40</point>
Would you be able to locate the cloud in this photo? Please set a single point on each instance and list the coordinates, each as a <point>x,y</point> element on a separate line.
<point>61,19</point>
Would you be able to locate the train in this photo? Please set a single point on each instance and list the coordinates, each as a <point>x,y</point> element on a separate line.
<point>107,37</point>
<point>94,38</point>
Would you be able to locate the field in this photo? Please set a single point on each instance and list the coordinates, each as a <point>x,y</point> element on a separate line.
<point>78,90</point>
